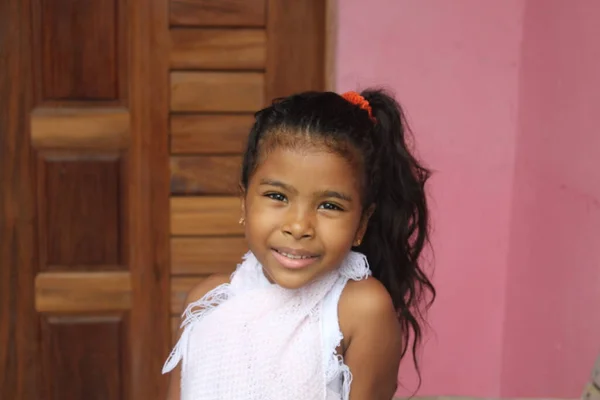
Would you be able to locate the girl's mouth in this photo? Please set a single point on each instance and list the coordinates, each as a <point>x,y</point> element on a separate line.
<point>294,259</point>
<point>293,256</point>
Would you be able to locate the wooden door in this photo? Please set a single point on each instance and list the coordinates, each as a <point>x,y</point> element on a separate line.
<point>226,63</point>
<point>84,262</point>
<point>122,125</point>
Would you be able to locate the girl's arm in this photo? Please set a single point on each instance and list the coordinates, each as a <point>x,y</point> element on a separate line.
<point>197,292</point>
<point>372,339</point>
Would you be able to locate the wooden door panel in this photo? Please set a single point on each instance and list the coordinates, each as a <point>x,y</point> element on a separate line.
<point>217,91</point>
<point>72,345</point>
<point>79,219</point>
<point>79,292</point>
<point>205,175</point>
<point>80,128</point>
<point>205,216</point>
<point>84,259</point>
<point>175,328</point>
<point>218,49</point>
<point>209,134</point>
<point>218,12</point>
<point>80,50</point>
<point>206,255</point>
<point>296,48</point>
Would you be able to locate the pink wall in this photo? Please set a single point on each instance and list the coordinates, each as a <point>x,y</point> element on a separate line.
<point>454,67</point>
<point>469,74</point>
<point>552,330</point>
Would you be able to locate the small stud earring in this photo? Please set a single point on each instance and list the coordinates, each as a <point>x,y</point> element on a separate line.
<point>358,242</point>
<point>241,221</point>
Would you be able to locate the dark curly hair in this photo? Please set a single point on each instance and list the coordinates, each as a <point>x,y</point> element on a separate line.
<point>393,181</point>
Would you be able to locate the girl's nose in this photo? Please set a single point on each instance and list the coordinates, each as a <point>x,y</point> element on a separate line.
<point>299,225</point>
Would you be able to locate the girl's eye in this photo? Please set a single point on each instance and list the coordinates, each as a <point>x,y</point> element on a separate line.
<point>331,206</point>
<point>276,196</point>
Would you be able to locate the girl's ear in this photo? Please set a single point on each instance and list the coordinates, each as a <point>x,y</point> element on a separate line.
<point>242,193</point>
<point>364,222</point>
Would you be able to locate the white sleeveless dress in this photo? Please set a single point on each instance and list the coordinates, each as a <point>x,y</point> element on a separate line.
<point>251,339</point>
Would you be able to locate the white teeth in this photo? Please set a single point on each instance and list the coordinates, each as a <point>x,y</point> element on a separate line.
<point>293,257</point>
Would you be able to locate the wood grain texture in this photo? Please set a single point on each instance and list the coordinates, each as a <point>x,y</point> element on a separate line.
<point>80,128</point>
<point>209,134</point>
<point>147,194</point>
<point>144,172</point>
<point>217,91</point>
<point>331,43</point>
<point>19,359</point>
<point>72,292</point>
<point>218,49</point>
<point>91,27</point>
<point>218,12</point>
<point>82,358</point>
<point>175,324</point>
<point>295,48</point>
<point>205,175</point>
<point>205,256</point>
<point>180,287</point>
<point>205,216</point>
<point>80,217</point>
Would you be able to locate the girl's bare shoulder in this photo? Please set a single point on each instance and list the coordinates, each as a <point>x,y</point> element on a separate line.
<point>205,286</point>
<point>372,338</point>
<point>366,308</point>
<point>365,298</point>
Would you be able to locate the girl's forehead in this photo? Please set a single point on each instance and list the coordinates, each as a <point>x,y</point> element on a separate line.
<point>308,166</point>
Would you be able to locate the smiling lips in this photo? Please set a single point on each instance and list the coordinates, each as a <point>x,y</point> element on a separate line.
<point>294,259</point>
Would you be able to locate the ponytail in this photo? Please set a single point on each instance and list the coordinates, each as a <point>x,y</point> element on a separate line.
<point>394,182</point>
<point>398,230</point>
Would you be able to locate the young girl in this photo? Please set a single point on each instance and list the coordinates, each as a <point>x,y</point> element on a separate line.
<point>325,302</point>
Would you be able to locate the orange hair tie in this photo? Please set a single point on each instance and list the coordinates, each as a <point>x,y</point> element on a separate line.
<point>358,100</point>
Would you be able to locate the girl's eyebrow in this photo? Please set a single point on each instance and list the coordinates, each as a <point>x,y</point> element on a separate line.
<point>279,184</point>
<point>291,189</point>
<point>337,195</point>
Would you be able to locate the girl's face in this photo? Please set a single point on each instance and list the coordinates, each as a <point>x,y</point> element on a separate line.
<point>303,212</point>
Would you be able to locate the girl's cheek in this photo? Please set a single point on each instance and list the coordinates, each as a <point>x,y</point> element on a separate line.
<point>337,232</point>
<point>265,217</point>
